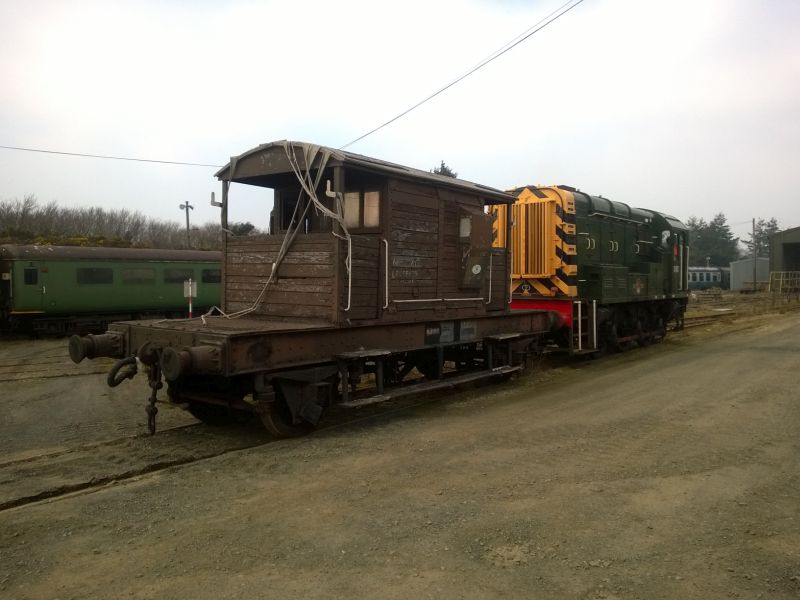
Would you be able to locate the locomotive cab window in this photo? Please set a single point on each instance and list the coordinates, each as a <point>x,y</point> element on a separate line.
<point>95,275</point>
<point>31,276</point>
<point>362,209</point>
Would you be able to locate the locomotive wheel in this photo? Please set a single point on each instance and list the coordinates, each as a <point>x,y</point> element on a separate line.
<point>277,418</point>
<point>645,337</point>
<point>661,330</point>
<point>612,339</point>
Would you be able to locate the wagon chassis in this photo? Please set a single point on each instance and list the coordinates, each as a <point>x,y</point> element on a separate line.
<point>290,375</point>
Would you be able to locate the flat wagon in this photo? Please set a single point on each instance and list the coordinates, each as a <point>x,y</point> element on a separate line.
<point>371,271</point>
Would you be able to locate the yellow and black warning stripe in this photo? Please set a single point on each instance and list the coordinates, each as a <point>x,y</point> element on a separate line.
<point>548,245</point>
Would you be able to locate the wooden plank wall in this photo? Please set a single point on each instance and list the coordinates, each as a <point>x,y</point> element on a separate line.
<point>425,254</point>
<point>306,277</point>
<point>500,280</point>
<point>413,242</point>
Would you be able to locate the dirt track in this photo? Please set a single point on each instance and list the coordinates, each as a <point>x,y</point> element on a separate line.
<point>669,472</point>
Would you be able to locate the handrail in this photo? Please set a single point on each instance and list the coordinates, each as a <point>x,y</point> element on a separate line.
<point>439,300</point>
<point>491,256</point>
<point>386,275</point>
<point>349,263</point>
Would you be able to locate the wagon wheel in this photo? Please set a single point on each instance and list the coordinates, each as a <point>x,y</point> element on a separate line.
<point>277,417</point>
<point>217,415</point>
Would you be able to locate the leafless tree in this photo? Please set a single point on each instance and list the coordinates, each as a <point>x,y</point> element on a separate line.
<point>26,221</point>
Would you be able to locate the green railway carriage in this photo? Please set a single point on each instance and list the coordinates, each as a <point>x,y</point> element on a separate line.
<point>58,289</point>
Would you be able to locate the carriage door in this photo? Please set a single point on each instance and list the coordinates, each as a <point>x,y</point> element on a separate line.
<point>32,296</point>
<point>6,273</point>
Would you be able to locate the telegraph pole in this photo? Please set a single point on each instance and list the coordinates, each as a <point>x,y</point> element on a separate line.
<point>187,207</point>
<point>755,255</point>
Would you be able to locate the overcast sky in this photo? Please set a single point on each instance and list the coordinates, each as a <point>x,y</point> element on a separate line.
<point>690,107</point>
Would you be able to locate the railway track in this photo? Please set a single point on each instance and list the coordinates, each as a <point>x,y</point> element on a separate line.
<point>22,361</point>
<point>707,319</point>
<point>92,467</point>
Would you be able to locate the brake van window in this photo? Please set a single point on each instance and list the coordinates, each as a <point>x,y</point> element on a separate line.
<point>174,275</point>
<point>91,275</point>
<point>31,276</point>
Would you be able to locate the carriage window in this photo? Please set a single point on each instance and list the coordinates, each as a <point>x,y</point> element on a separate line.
<point>362,208</point>
<point>177,275</point>
<point>93,275</point>
<point>134,276</point>
<point>212,276</point>
<point>31,276</point>
<point>664,238</point>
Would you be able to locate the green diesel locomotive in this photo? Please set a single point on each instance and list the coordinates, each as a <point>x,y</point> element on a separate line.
<point>615,274</point>
<point>65,289</point>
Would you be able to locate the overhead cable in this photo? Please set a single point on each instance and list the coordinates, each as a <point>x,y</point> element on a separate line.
<point>149,160</point>
<point>553,16</point>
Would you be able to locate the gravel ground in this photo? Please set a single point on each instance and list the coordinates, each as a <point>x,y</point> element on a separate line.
<point>667,472</point>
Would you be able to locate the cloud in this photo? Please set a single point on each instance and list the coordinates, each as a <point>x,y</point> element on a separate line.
<point>686,107</point>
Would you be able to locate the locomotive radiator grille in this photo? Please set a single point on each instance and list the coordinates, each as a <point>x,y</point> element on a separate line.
<point>543,242</point>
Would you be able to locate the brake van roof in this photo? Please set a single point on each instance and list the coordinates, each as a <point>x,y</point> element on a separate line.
<point>265,160</point>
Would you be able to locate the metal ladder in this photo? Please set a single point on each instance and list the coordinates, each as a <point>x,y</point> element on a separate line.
<point>583,338</point>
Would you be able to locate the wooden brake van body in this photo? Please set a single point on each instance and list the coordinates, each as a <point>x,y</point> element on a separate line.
<point>368,268</point>
<point>419,245</point>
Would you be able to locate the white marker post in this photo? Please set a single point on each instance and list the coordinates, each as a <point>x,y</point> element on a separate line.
<point>190,291</point>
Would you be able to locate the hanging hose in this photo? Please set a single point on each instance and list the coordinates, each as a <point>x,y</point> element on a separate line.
<point>117,375</point>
